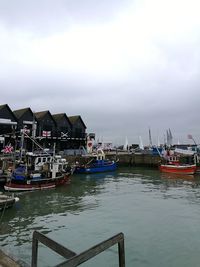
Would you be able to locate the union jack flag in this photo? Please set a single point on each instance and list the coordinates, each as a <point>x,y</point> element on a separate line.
<point>8,149</point>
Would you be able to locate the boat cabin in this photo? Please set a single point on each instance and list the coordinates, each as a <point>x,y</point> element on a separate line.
<point>36,161</point>
<point>174,160</point>
<point>100,155</point>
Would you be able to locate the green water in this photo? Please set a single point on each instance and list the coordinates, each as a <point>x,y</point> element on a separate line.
<point>158,214</point>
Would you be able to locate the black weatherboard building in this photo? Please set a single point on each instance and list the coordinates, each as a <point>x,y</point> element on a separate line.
<point>8,125</point>
<point>46,129</point>
<point>78,136</point>
<point>66,132</point>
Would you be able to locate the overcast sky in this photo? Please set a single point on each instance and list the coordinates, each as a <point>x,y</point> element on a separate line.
<point>124,66</point>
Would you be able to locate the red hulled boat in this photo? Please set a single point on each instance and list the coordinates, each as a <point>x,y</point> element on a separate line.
<point>173,165</point>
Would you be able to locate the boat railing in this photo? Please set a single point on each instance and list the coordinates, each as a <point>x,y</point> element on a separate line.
<point>74,259</point>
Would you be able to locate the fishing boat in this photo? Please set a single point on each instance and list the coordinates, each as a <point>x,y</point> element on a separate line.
<point>38,170</point>
<point>7,201</point>
<point>173,165</point>
<point>98,163</point>
<point>41,171</point>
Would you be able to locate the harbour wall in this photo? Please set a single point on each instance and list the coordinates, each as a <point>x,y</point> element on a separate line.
<point>124,159</point>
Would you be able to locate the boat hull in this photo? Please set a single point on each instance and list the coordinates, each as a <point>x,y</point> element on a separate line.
<point>12,187</point>
<point>6,201</point>
<point>178,169</point>
<point>98,169</point>
<point>39,184</point>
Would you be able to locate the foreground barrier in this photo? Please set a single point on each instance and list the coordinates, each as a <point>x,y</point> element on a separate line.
<point>77,259</point>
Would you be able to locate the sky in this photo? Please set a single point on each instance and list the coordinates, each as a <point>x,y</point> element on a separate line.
<point>124,66</point>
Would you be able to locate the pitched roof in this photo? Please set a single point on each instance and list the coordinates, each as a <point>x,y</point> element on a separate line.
<point>20,112</point>
<point>3,106</point>
<point>6,106</point>
<point>58,117</point>
<point>73,120</point>
<point>41,114</point>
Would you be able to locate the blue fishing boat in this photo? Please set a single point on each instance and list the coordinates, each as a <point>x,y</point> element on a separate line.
<point>98,163</point>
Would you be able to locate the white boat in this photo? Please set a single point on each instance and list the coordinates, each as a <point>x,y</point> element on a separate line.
<point>7,201</point>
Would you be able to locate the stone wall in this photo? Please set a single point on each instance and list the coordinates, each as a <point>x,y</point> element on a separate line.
<point>124,159</point>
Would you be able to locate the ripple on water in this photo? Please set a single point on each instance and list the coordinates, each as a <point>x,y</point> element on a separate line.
<point>158,214</point>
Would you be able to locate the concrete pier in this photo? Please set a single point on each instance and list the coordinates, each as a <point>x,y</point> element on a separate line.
<point>124,159</point>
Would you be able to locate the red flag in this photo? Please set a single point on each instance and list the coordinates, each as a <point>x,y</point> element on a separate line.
<point>46,133</point>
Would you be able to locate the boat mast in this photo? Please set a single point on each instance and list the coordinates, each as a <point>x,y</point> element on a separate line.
<point>22,143</point>
<point>34,127</point>
<point>150,139</point>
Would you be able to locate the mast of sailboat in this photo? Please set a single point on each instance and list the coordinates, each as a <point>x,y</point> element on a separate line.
<point>141,146</point>
<point>126,144</point>
<point>150,139</point>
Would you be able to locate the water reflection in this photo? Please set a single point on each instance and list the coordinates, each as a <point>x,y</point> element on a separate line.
<point>131,188</point>
<point>37,210</point>
<point>176,176</point>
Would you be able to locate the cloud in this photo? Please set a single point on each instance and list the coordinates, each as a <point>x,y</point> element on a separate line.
<point>123,66</point>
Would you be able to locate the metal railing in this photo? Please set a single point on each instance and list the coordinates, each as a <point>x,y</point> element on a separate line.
<point>73,258</point>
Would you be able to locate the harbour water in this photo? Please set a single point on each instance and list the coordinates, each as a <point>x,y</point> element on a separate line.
<point>158,214</point>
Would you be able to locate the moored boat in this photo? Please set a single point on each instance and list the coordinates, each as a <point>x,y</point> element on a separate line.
<point>174,165</point>
<point>53,172</point>
<point>98,163</point>
<point>178,169</point>
<point>7,201</point>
